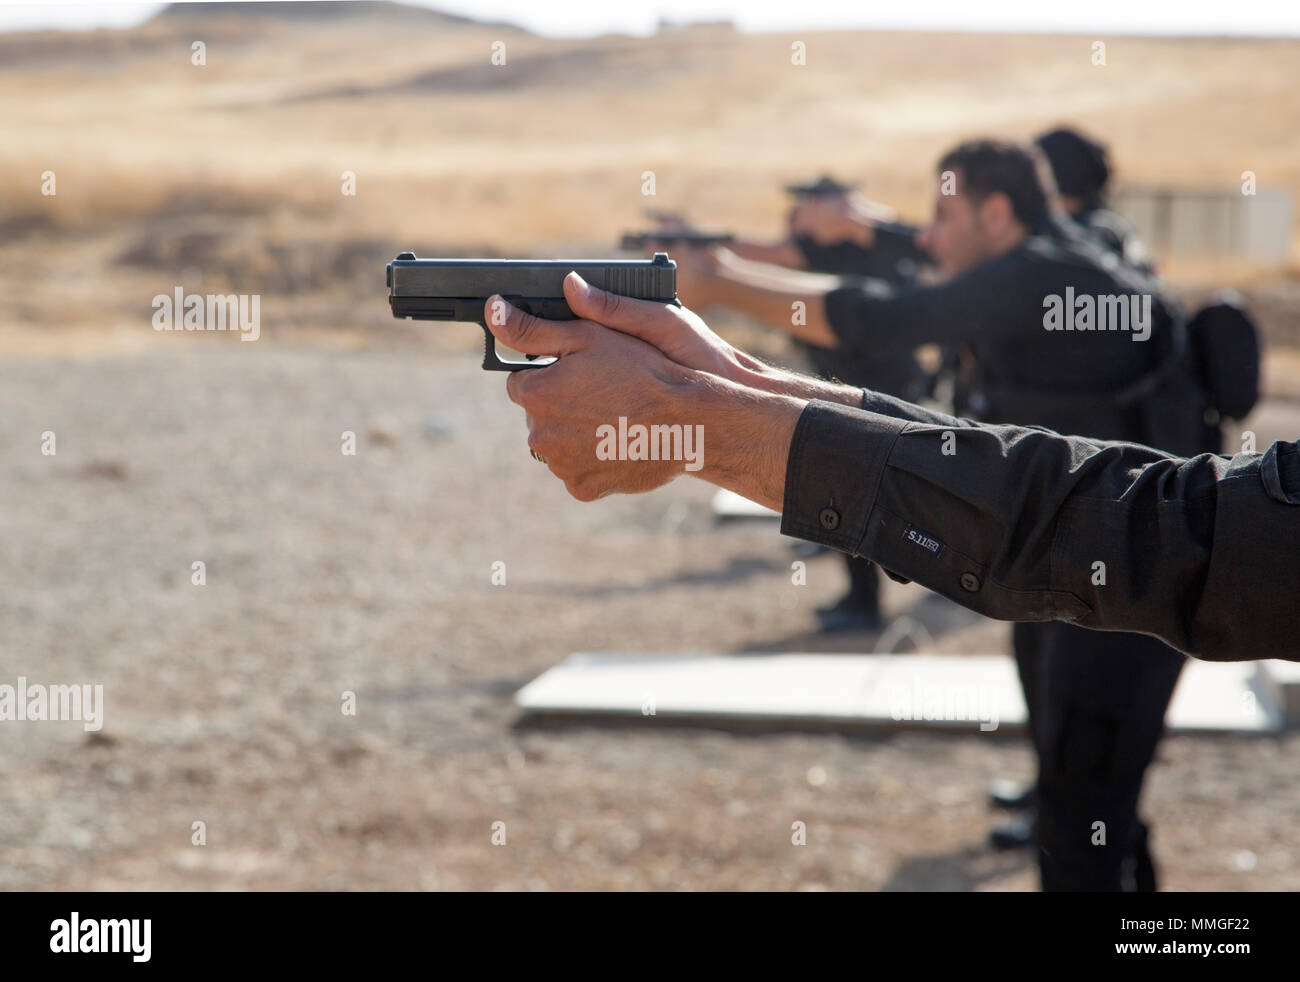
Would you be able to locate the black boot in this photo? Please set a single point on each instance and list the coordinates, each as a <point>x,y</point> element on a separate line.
<point>848,615</point>
<point>1016,834</point>
<point>1144,867</point>
<point>1012,795</point>
<point>859,610</point>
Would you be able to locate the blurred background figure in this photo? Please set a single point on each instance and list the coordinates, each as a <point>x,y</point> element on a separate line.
<point>1096,700</point>
<point>1081,169</point>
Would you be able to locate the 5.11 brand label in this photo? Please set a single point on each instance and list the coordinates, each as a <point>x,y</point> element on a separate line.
<point>923,540</point>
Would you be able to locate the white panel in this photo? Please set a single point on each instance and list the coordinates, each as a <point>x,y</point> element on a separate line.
<point>968,692</point>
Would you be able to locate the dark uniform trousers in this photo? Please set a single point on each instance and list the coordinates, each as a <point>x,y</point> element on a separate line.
<point>1097,701</point>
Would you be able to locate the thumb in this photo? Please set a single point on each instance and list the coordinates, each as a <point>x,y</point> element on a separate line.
<point>650,320</point>
<point>530,334</point>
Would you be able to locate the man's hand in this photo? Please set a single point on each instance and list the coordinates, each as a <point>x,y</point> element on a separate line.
<point>676,331</point>
<point>839,218</point>
<point>790,300</point>
<point>600,375</point>
<point>697,274</point>
<point>637,368</point>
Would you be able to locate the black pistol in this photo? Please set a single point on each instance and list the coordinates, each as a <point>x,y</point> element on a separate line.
<point>458,289</point>
<point>639,241</point>
<point>824,187</point>
<point>827,187</point>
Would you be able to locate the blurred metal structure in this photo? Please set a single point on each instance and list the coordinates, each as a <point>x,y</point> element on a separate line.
<point>1210,222</point>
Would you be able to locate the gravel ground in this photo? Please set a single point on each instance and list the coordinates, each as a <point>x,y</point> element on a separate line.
<point>371,573</point>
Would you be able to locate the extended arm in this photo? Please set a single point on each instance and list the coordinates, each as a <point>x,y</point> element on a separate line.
<point>867,316</point>
<point>1015,522</point>
<point>1025,524</point>
<point>782,252</point>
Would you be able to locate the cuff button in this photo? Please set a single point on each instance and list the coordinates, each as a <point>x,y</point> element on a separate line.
<point>830,519</point>
<point>970,582</point>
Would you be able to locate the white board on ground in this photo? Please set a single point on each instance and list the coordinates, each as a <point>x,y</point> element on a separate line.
<point>963,692</point>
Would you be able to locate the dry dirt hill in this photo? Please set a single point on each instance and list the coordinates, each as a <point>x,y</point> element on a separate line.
<point>233,168</point>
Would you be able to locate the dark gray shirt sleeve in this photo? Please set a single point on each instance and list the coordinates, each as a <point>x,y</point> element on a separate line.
<point>985,304</point>
<point>893,245</point>
<point>1021,523</point>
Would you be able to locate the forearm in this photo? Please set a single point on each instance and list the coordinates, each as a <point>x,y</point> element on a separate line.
<point>756,374</point>
<point>749,421</point>
<point>746,433</point>
<point>782,253</point>
<point>1014,522</point>
<point>769,378</point>
<point>788,300</point>
<point>1024,524</point>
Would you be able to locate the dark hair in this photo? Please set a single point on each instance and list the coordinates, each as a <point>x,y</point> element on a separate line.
<point>995,167</point>
<point>1079,164</point>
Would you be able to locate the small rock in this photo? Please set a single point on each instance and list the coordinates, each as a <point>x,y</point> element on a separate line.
<point>436,428</point>
<point>112,470</point>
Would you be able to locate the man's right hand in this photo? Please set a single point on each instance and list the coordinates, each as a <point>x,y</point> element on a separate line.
<point>676,331</point>
<point>697,273</point>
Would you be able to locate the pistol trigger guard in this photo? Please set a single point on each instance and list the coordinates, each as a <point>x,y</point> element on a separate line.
<point>492,363</point>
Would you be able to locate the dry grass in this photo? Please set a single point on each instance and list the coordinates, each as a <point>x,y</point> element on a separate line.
<point>230,173</point>
<point>550,148</point>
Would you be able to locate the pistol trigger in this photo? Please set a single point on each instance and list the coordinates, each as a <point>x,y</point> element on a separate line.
<point>490,360</point>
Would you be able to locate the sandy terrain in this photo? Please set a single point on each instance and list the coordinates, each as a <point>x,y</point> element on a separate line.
<point>371,573</point>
